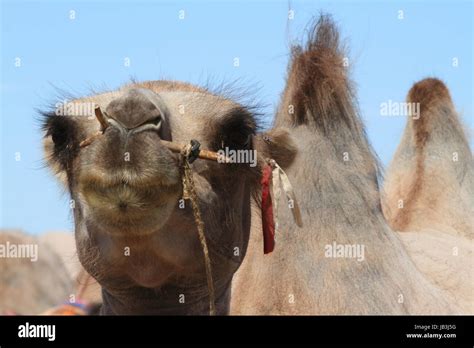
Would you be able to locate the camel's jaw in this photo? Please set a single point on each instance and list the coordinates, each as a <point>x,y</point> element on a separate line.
<point>126,207</point>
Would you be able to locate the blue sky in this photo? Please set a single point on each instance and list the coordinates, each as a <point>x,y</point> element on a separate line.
<point>387,55</point>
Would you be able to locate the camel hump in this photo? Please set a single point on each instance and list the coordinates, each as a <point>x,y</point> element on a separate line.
<point>324,35</point>
<point>432,174</point>
<point>429,93</point>
<point>432,112</point>
<point>318,92</point>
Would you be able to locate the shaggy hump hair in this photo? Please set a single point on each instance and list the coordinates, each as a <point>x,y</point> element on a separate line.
<point>317,80</point>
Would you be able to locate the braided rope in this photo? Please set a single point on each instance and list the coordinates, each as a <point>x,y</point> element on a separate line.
<point>189,190</point>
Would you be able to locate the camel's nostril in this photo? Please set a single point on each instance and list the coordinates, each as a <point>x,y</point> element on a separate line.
<point>156,121</point>
<point>152,124</point>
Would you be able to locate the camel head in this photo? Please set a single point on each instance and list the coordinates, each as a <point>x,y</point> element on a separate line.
<point>134,231</point>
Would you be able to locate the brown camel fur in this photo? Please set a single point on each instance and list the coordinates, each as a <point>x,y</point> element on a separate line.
<point>134,234</point>
<point>141,245</point>
<point>335,175</point>
<point>429,193</point>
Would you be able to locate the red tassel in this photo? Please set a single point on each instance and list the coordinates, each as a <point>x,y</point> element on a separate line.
<point>268,224</point>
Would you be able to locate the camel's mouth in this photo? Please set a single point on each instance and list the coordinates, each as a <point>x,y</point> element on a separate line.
<point>140,205</point>
<point>126,198</point>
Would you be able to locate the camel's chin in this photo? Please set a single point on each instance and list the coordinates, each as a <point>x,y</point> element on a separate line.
<point>126,225</point>
<point>150,276</point>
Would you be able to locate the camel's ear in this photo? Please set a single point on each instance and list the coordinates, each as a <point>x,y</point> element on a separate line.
<point>276,144</point>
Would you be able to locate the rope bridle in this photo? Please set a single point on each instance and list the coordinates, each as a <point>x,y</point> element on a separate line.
<point>188,154</point>
<point>273,176</point>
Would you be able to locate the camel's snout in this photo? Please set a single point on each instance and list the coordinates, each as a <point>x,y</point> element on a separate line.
<point>137,110</point>
<point>130,175</point>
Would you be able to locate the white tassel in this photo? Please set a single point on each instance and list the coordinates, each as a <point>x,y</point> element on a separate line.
<point>281,180</point>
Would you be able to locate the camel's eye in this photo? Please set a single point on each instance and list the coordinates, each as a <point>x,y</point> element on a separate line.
<point>62,131</point>
<point>235,130</point>
<point>59,135</point>
<point>248,142</point>
<point>239,139</point>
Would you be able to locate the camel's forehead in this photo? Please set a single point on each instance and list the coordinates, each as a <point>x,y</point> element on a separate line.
<point>185,102</point>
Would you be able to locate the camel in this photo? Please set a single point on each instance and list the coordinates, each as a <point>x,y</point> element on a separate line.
<point>31,285</point>
<point>135,231</point>
<point>336,178</point>
<point>42,286</point>
<point>429,193</point>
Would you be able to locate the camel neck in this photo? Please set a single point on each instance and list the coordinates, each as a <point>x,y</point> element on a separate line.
<point>167,300</point>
